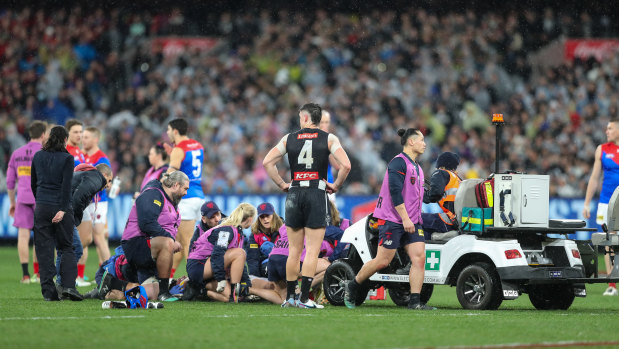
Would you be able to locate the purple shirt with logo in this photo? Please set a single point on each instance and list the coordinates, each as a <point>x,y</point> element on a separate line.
<point>19,170</point>
<point>281,245</point>
<point>169,219</point>
<point>412,192</point>
<point>203,248</point>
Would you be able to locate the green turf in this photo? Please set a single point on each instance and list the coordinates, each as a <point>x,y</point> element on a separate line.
<point>26,321</point>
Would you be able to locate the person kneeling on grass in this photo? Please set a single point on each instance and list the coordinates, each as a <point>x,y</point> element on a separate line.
<point>150,233</point>
<point>217,250</point>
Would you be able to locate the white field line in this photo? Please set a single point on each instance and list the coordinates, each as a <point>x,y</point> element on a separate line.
<point>71,318</point>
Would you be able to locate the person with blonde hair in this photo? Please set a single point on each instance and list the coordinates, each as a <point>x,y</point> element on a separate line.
<point>217,250</point>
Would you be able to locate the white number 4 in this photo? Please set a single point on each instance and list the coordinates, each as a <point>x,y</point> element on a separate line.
<point>305,157</point>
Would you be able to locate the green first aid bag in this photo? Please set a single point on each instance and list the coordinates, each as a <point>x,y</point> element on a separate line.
<point>475,219</point>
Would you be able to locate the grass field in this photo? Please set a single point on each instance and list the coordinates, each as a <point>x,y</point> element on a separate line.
<point>26,321</point>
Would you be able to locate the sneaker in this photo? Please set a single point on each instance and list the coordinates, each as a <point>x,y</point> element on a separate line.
<point>154,305</point>
<point>190,292</point>
<point>310,304</point>
<point>421,306</point>
<point>610,291</point>
<point>72,294</point>
<point>166,297</point>
<point>92,294</point>
<point>35,279</point>
<point>405,270</point>
<point>291,303</point>
<point>80,282</point>
<point>105,285</point>
<point>25,279</point>
<point>349,295</point>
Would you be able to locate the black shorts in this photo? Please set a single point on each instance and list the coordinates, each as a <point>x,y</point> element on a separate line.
<point>195,270</point>
<point>276,267</point>
<point>140,257</point>
<point>306,207</point>
<point>392,235</point>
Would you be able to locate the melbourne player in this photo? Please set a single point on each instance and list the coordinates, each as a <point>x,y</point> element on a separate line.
<point>75,128</point>
<point>94,220</point>
<point>188,157</point>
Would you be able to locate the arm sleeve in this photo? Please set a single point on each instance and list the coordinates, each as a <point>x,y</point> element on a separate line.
<point>220,239</point>
<point>397,173</point>
<point>438,181</point>
<point>11,174</point>
<point>33,179</point>
<point>65,188</point>
<point>253,256</point>
<point>80,197</point>
<point>148,206</point>
<point>196,235</point>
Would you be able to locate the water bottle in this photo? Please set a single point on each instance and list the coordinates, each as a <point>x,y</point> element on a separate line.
<point>115,188</point>
<point>114,305</point>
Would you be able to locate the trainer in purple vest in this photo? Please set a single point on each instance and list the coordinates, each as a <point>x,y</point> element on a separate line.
<point>169,219</point>
<point>412,194</point>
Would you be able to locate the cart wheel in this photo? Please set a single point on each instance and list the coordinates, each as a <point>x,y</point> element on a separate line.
<point>551,297</point>
<point>479,287</point>
<point>335,276</point>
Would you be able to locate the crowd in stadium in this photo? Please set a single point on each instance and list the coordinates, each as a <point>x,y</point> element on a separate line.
<point>375,72</point>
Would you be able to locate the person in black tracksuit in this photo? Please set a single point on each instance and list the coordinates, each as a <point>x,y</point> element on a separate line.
<point>51,176</point>
<point>87,182</point>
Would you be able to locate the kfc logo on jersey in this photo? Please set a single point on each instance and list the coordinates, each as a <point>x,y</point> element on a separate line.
<point>307,135</point>
<point>305,176</point>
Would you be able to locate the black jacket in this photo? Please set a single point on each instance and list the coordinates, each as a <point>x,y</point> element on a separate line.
<point>51,175</point>
<point>84,186</point>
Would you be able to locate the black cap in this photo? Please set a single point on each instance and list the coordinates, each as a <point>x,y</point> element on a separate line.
<point>448,160</point>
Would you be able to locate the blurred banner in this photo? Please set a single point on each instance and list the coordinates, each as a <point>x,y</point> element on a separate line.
<point>585,48</point>
<point>353,207</point>
<point>174,46</point>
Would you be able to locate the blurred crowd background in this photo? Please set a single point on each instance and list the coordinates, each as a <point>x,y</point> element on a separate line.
<point>443,69</point>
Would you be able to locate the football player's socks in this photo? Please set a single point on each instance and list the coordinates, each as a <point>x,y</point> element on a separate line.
<point>172,273</point>
<point>164,285</point>
<point>80,270</point>
<point>24,269</point>
<point>306,283</point>
<point>415,299</point>
<point>35,266</point>
<point>291,287</point>
<point>612,284</point>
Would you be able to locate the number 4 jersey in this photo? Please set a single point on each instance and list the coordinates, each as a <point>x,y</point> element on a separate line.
<point>192,166</point>
<point>308,155</point>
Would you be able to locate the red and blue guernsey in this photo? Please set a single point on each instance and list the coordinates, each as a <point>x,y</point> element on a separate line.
<point>78,155</point>
<point>610,167</point>
<point>95,159</point>
<point>403,183</point>
<point>192,166</point>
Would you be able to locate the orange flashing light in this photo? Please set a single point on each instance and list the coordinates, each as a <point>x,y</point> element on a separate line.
<point>497,118</point>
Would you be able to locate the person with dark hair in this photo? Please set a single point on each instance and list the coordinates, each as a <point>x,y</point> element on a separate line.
<point>306,203</point>
<point>607,164</point>
<point>94,220</point>
<point>186,156</point>
<point>75,129</point>
<point>22,209</point>
<point>398,211</point>
<point>51,176</point>
<point>149,238</point>
<point>444,184</point>
<point>157,158</point>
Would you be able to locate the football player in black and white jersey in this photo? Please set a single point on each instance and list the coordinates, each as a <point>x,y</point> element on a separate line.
<point>306,204</point>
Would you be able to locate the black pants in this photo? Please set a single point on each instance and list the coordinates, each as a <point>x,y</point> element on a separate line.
<point>46,236</point>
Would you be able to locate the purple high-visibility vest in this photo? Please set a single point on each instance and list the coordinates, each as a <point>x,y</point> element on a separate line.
<point>202,248</point>
<point>169,219</point>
